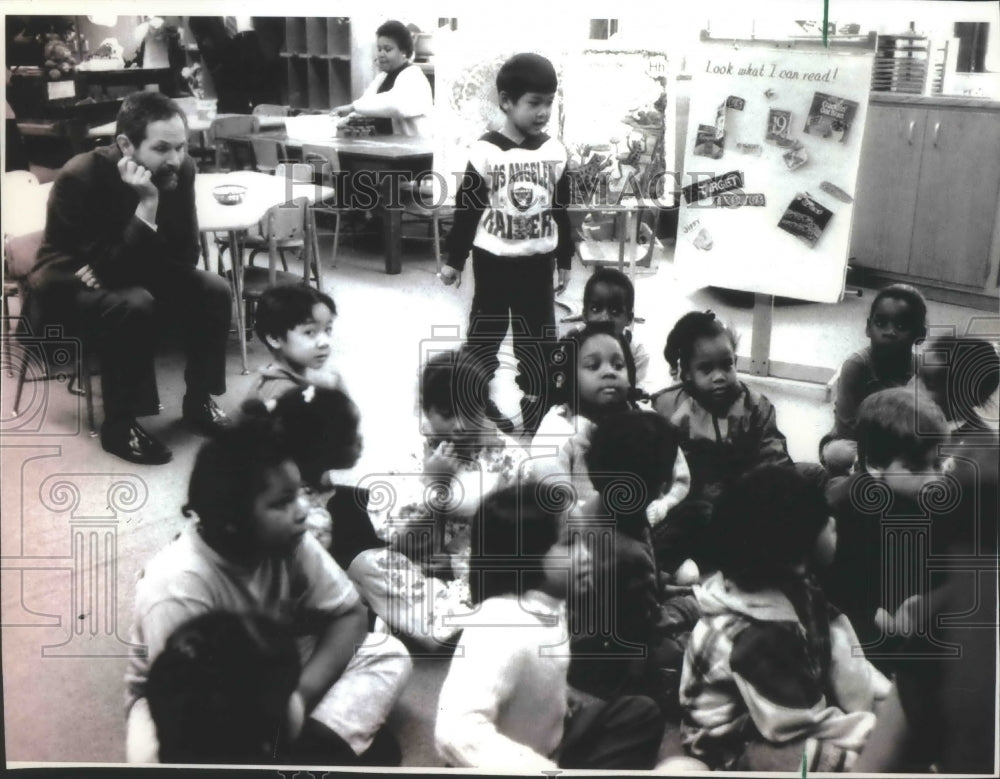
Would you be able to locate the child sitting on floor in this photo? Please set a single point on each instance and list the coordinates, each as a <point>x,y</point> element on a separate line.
<point>321,429</point>
<point>595,379</point>
<point>609,296</point>
<point>416,579</point>
<point>250,552</point>
<point>725,428</point>
<point>942,713</point>
<point>636,644</point>
<point>295,322</point>
<point>961,375</point>
<point>504,704</point>
<point>896,321</point>
<point>899,439</point>
<point>223,690</point>
<point>770,674</point>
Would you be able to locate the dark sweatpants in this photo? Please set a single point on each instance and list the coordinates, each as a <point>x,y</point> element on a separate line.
<point>623,733</point>
<point>124,325</point>
<point>517,291</point>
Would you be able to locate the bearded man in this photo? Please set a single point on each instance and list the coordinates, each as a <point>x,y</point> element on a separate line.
<point>118,261</point>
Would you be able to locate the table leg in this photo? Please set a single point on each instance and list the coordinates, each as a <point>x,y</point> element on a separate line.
<point>622,230</point>
<point>236,262</point>
<point>392,219</point>
<point>310,250</point>
<point>630,236</point>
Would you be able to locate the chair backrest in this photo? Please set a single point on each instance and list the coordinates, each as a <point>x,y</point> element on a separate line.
<point>287,222</point>
<point>270,109</point>
<point>233,125</point>
<point>302,172</point>
<point>228,133</point>
<point>325,163</point>
<point>20,253</point>
<point>268,153</point>
<point>313,153</point>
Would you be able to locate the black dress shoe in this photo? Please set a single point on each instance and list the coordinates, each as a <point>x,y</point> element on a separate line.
<point>206,417</point>
<point>127,439</point>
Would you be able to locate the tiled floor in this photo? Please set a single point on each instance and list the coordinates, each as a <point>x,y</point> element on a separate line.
<point>78,523</point>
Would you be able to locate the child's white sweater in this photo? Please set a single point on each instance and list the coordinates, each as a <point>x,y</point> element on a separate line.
<point>504,700</point>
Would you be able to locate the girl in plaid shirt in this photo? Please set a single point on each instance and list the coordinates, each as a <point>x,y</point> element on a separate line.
<point>769,673</point>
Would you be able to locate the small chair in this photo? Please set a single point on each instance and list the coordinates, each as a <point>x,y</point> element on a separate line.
<point>20,253</point>
<point>326,163</point>
<point>268,154</point>
<point>256,240</point>
<point>227,134</point>
<point>418,201</point>
<point>284,227</point>
<point>13,182</point>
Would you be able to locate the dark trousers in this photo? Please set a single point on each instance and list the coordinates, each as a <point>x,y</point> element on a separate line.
<point>517,292</point>
<point>124,325</point>
<point>623,733</point>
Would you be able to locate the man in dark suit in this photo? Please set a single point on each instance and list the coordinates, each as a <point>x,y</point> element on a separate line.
<point>120,249</point>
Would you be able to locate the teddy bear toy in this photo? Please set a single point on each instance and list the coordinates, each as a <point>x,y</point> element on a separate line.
<point>59,59</point>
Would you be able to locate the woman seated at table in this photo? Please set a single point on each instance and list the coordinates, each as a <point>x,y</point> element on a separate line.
<point>399,99</point>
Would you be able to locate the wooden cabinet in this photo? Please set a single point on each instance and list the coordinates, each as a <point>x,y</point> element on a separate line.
<point>318,51</point>
<point>928,196</point>
<point>887,196</point>
<point>957,197</point>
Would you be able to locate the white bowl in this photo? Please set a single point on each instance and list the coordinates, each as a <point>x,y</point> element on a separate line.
<point>229,194</point>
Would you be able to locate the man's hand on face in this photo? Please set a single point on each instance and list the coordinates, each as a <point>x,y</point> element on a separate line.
<point>138,177</point>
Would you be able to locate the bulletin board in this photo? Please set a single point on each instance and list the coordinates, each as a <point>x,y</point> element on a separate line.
<point>771,163</point>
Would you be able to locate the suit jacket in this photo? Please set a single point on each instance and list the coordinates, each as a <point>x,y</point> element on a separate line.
<point>91,220</point>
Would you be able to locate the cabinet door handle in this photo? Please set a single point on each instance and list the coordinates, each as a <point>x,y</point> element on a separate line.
<point>909,134</point>
<point>937,126</point>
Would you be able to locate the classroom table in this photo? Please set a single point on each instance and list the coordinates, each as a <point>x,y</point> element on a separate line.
<point>377,154</point>
<point>196,124</point>
<point>263,192</point>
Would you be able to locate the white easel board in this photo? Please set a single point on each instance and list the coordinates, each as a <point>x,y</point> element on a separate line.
<point>771,163</point>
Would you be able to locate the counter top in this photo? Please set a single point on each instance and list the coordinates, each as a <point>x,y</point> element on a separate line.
<point>940,101</point>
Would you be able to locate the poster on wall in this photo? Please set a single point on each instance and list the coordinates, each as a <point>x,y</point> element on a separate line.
<point>771,162</point>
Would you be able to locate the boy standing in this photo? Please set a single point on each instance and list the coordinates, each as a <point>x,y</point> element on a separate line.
<point>511,213</point>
